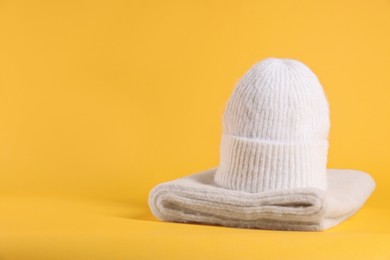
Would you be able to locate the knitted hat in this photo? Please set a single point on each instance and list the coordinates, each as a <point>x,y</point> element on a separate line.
<point>272,172</point>
<point>275,130</point>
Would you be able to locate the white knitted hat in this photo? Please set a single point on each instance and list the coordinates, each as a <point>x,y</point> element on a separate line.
<point>272,172</point>
<point>275,130</point>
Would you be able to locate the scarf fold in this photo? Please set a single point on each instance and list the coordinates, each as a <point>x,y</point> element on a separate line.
<point>198,199</point>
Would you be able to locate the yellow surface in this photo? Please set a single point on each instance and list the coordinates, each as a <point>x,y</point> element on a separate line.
<point>101,100</point>
<point>54,228</point>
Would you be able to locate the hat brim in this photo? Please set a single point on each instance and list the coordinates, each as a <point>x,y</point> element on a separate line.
<point>198,199</point>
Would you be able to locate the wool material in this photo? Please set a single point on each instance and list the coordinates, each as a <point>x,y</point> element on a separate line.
<point>273,171</point>
<point>275,130</point>
<point>198,199</point>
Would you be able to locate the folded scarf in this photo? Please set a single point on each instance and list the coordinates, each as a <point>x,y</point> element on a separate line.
<point>198,199</point>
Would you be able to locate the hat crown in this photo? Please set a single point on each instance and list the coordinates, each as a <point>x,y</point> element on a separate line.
<point>278,100</point>
<point>275,130</point>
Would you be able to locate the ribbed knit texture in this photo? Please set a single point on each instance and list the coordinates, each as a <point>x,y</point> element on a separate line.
<point>275,130</point>
<point>272,172</point>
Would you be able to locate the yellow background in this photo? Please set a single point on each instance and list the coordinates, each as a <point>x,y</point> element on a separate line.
<point>102,100</point>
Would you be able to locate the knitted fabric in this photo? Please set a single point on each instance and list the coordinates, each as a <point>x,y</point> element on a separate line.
<point>275,130</point>
<point>273,161</point>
